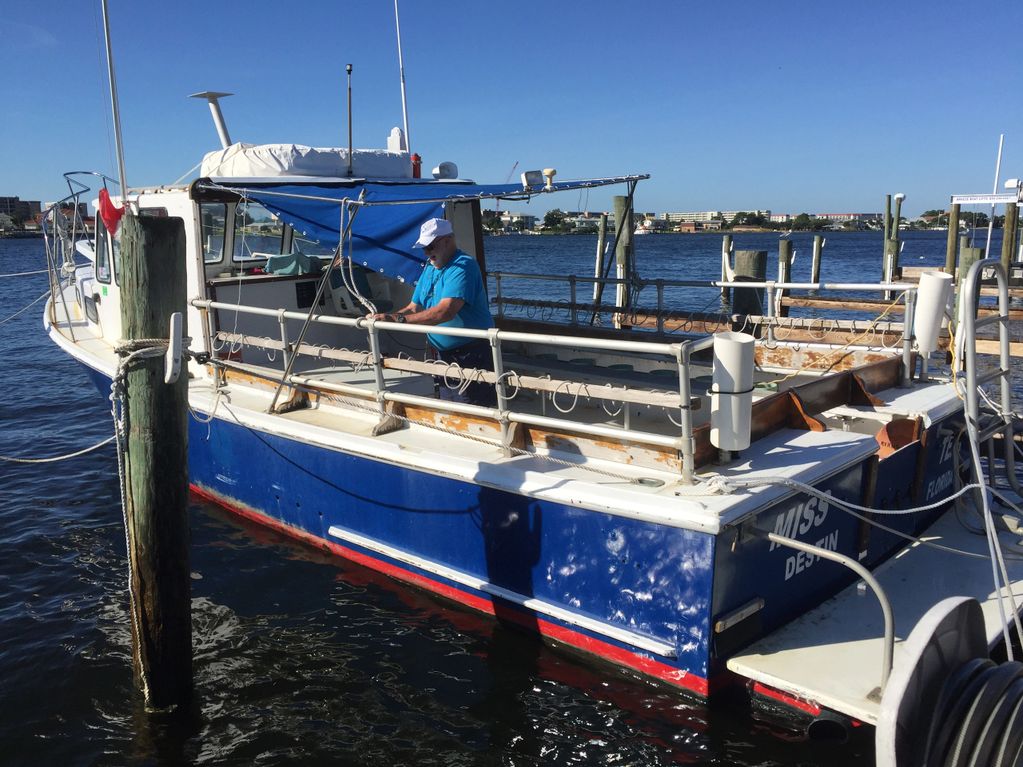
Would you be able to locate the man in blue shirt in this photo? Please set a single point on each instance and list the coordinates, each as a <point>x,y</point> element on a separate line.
<point>450,293</point>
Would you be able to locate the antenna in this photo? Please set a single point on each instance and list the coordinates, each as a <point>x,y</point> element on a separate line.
<point>218,117</point>
<point>401,70</point>
<point>348,69</point>
<point>114,105</point>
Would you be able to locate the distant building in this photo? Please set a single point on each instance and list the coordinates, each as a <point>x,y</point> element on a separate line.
<point>517,221</point>
<point>711,215</point>
<point>839,217</point>
<point>16,208</point>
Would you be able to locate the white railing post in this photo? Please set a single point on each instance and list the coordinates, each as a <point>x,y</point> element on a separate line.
<point>287,350</point>
<point>494,337</point>
<point>378,364</point>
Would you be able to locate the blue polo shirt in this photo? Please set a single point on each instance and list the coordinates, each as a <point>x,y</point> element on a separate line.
<point>460,278</point>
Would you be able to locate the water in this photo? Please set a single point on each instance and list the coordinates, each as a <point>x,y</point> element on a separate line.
<point>300,659</point>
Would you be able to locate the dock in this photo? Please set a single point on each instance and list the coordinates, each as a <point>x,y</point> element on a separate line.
<point>832,656</point>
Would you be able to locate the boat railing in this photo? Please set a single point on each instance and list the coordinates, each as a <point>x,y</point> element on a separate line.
<point>506,382</point>
<point>905,295</point>
<point>60,233</point>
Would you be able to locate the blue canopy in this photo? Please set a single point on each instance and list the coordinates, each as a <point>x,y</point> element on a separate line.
<point>385,216</point>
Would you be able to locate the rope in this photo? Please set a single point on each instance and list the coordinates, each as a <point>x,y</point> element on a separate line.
<point>24,274</point>
<point>97,446</point>
<point>358,405</point>
<point>25,309</point>
<point>720,484</point>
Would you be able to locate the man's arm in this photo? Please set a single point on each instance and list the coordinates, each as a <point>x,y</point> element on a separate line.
<point>445,310</point>
<point>410,308</point>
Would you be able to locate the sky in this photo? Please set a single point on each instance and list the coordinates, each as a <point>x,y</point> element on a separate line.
<point>788,106</point>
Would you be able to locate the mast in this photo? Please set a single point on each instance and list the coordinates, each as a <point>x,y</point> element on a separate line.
<point>401,70</point>
<point>114,104</point>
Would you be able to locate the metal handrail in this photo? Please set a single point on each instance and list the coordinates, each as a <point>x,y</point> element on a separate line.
<point>678,353</point>
<point>868,578</point>
<point>969,291</point>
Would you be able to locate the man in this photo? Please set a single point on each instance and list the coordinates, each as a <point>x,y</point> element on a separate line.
<point>450,293</point>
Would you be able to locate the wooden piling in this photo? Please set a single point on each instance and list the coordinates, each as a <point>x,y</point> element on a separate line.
<point>784,271</point>
<point>967,258</point>
<point>750,266</point>
<point>598,268</point>
<point>623,256</point>
<point>156,463</point>
<point>726,258</point>
<point>818,252</point>
<point>887,236</point>
<point>1009,229</point>
<point>896,247</point>
<point>950,245</point>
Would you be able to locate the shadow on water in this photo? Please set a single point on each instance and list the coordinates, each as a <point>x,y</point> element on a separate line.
<point>511,527</point>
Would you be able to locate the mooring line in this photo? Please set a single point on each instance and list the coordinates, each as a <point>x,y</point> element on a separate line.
<point>97,446</point>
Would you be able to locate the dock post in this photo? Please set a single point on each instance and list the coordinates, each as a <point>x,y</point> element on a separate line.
<point>953,239</point>
<point>818,251</point>
<point>598,267</point>
<point>896,245</point>
<point>156,464</point>
<point>887,234</point>
<point>750,266</point>
<point>1009,229</point>
<point>726,256</point>
<point>623,257</point>
<point>967,258</point>
<point>784,273</point>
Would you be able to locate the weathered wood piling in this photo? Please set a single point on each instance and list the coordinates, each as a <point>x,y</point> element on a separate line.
<point>156,463</point>
<point>726,257</point>
<point>750,266</point>
<point>1009,229</point>
<point>818,252</point>
<point>952,241</point>
<point>784,271</point>
<point>623,254</point>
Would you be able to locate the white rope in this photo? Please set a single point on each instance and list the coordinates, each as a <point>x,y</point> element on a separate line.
<point>97,446</point>
<point>25,309</point>
<point>721,484</point>
<point>24,274</point>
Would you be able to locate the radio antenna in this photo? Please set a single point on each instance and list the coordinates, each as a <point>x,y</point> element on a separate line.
<point>401,70</point>
<point>348,69</point>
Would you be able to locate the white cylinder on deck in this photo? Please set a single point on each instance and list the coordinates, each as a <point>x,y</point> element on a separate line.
<point>731,401</point>
<point>931,300</point>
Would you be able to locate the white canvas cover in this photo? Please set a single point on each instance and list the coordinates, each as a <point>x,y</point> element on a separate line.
<point>272,160</point>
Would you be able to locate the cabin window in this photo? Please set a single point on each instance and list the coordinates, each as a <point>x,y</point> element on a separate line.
<point>102,252</point>
<point>302,244</point>
<point>153,212</point>
<point>256,230</point>
<point>212,216</point>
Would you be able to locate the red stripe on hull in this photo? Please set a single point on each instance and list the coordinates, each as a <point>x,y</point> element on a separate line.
<point>592,645</point>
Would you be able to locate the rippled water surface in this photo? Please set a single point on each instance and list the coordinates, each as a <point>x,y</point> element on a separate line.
<point>298,658</point>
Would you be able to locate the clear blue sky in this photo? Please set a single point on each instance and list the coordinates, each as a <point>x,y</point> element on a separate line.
<point>792,106</point>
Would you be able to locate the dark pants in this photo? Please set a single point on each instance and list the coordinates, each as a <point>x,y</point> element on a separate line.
<point>475,354</point>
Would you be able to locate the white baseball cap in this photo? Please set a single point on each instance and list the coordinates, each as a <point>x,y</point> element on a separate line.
<point>431,230</point>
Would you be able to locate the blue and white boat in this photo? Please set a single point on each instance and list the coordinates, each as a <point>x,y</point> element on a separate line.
<point>658,491</point>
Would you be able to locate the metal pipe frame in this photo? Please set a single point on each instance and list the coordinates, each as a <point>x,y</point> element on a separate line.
<point>968,292</point>
<point>868,578</point>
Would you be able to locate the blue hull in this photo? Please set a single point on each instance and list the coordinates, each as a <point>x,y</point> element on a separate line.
<point>587,579</point>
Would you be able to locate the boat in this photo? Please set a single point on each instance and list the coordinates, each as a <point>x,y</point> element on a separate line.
<point>661,495</point>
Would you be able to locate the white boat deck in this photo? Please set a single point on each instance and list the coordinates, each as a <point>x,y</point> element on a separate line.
<point>832,655</point>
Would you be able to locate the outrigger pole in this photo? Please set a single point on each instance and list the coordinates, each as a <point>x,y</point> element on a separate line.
<point>401,70</point>
<point>114,105</point>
